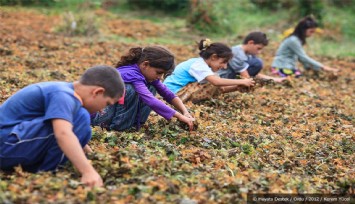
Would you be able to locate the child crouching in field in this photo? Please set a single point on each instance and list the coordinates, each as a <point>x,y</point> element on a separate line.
<point>196,79</point>
<point>245,61</point>
<point>291,50</point>
<point>45,124</point>
<point>141,70</point>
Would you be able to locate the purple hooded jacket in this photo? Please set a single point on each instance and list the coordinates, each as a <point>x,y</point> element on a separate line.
<point>131,74</point>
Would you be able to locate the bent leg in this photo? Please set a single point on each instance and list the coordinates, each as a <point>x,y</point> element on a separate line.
<point>82,130</point>
<point>255,66</point>
<point>144,108</point>
<point>126,115</point>
<point>33,145</point>
<point>27,145</point>
<point>104,118</point>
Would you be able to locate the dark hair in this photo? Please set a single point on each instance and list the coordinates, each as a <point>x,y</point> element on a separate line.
<point>106,77</point>
<point>207,49</point>
<point>157,56</point>
<point>302,26</point>
<point>257,37</point>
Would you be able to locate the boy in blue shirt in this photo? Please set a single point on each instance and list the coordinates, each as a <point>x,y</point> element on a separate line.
<point>245,61</point>
<point>45,124</point>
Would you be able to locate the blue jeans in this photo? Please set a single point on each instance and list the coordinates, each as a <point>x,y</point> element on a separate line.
<point>255,66</point>
<point>122,117</point>
<point>32,144</point>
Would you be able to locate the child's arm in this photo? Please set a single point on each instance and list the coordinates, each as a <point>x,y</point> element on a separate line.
<point>87,149</point>
<point>217,81</point>
<point>244,74</point>
<point>276,79</point>
<point>296,47</point>
<point>178,104</point>
<point>330,69</point>
<point>71,147</point>
<point>188,120</point>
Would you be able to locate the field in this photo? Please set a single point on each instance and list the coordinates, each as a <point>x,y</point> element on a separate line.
<point>295,137</point>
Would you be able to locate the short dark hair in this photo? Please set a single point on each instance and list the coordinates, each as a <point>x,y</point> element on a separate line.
<point>106,77</point>
<point>157,56</point>
<point>257,37</point>
<point>208,49</point>
<point>302,26</point>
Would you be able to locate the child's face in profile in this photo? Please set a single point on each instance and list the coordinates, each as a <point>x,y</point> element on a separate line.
<point>153,73</point>
<point>98,101</point>
<point>310,32</point>
<point>254,49</point>
<point>217,63</point>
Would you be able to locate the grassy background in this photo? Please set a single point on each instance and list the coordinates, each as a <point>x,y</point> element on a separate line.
<point>235,19</point>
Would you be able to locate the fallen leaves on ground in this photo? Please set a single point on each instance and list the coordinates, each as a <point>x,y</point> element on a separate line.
<point>295,137</point>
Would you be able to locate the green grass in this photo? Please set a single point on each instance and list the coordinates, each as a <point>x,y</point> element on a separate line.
<point>344,48</point>
<point>241,17</point>
<point>235,18</point>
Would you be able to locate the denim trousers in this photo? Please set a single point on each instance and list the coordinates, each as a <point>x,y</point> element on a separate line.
<point>121,117</point>
<point>32,144</point>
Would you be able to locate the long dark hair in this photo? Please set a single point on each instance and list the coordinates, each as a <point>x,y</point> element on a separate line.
<point>302,26</point>
<point>157,56</point>
<point>207,48</point>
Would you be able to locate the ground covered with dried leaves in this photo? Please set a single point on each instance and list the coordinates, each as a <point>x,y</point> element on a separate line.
<point>295,137</point>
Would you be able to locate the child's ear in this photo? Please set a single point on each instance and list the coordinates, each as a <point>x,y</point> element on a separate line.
<point>145,64</point>
<point>251,42</point>
<point>214,57</point>
<point>98,90</point>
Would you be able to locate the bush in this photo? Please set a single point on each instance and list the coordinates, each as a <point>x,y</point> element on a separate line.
<point>273,4</point>
<point>311,7</point>
<point>27,2</point>
<point>345,4</point>
<point>81,24</point>
<point>174,6</point>
<point>203,17</point>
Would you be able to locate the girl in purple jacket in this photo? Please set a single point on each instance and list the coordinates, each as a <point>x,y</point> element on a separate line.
<point>141,70</point>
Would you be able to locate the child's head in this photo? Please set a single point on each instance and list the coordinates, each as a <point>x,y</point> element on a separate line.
<point>106,87</point>
<point>216,54</point>
<point>154,61</point>
<point>254,42</point>
<point>305,28</point>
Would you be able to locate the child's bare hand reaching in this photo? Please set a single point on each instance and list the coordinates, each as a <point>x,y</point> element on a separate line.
<point>248,82</point>
<point>188,115</point>
<point>91,178</point>
<point>188,120</point>
<point>330,69</point>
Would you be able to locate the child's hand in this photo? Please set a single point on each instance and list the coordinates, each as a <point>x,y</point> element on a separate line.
<point>330,69</point>
<point>248,82</point>
<point>188,115</point>
<point>189,121</point>
<point>91,178</point>
<point>279,80</point>
<point>87,149</point>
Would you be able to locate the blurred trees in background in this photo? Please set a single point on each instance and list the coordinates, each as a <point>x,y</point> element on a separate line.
<point>27,2</point>
<point>204,15</point>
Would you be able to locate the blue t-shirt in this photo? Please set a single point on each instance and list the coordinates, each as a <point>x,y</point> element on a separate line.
<point>40,102</point>
<point>192,70</point>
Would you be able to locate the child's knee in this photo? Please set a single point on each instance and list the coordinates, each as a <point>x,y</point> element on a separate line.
<point>258,63</point>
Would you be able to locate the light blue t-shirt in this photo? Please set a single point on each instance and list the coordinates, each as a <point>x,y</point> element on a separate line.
<point>40,102</point>
<point>192,70</point>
